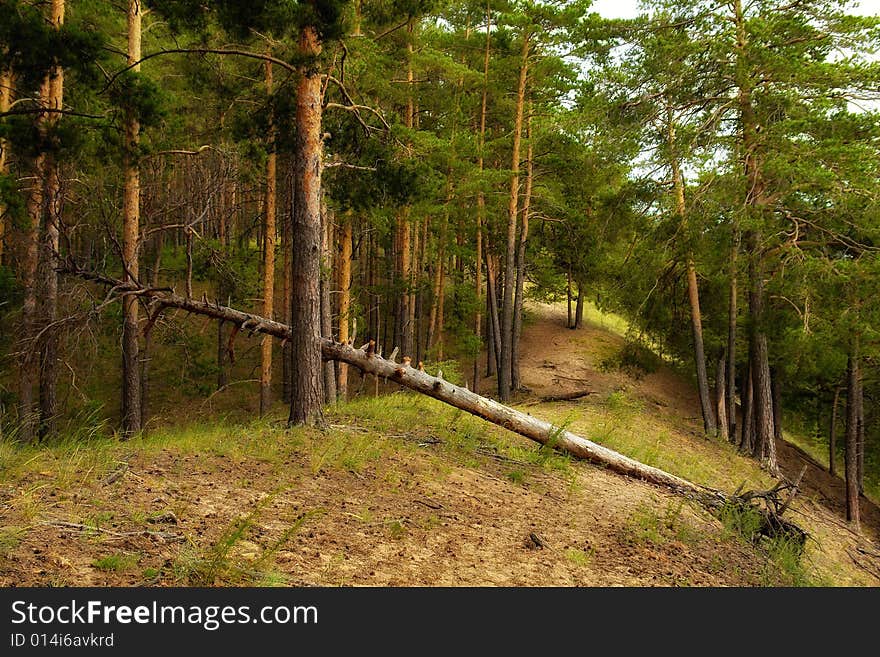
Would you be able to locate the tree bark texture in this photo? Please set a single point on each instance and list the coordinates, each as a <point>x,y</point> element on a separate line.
<point>269,236</point>
<point>505,367</point>
<point>306,385</point>
<point>131,388</point>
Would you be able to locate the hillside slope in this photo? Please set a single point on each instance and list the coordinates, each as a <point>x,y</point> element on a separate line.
<point>402,490</point>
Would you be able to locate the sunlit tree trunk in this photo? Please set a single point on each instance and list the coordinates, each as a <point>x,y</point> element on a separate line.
<point>306,386</point>
<point>345,253</point>
<point>269,235</point>
<point>131,389</point>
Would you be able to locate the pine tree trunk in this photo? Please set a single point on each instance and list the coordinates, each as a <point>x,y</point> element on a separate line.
<point>31,254</point>
<point>852,436</point>
<point>481,202</point>
<point>721,396</point>
<point>269,235</point>
<point>131,383</point>
<point>306,386</point>
<point>6,82</point>
<point>731,341</point>
<point>494,358</point>
<point>507,310</point>
<point>344,301</point>
<point>579,307</point>
<point>832,434</point>
<point>776,390</point>
<point>765,442</point>
<point>146,352</point>
<point>329,369</point>
<point>286,286</point>
<point>53,202</point>
<point>568,297</point>
<point>747,431</point>
<point>860,435</point>
<point>709,425</point>
<point>521,260</point>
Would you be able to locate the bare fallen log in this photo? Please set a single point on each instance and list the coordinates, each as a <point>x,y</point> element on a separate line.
<point>367,360</point>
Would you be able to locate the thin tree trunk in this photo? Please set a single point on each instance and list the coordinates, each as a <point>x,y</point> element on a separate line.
<point>747,431</point>
<point>765,442</point>
<point>6,83</point>
<point>568,296</point>
<point>579,307</point>
<point>131,388</point>
<point>521,260</point>
<point>146,352</point>
<point>344,301</point>
<point>49,258</point>
<point>31,256</point>
<point>269,235</point>
<point>731,341</point>
<point>481,201</point>
<point>326,307</point>
<point>404,327</point>
<point>505,367</point>
<point>721,396</point>
<point>832,434</point>
<point>494,364</point>
<point>852,436</point>
<point>709,425</point>
<point>776,391</point>
<point>860,435</point>
<point>286,285</point>
<point>306,386</point>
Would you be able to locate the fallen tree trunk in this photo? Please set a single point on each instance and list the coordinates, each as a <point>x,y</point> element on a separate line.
<point>367,360</point>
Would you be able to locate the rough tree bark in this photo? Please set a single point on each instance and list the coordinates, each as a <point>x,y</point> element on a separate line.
<point>131,200</point>
<point>832,433</point>
<point>6,82</point>
<point>49,258</point>
<point>344,300</point>
<point>731,339</point>
<point>269,235</point>
<point>852,438</point>
<point>860,435</point>
<point>306,384</point>
<point>579,307</point>
<point>765,433</point>
<point>329,371</point>
<point>505,367</point>
<point>493,364</point>
<point>515,381</point>
<point>286,283</point>
<point>721,396</point>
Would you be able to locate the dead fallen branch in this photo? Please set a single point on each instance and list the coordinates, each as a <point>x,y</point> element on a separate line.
<point>75,526</point>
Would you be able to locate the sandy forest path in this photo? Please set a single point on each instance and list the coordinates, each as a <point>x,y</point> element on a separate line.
<point>557,360</point>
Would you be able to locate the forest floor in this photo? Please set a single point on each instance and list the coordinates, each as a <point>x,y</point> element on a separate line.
<point>402,490</point>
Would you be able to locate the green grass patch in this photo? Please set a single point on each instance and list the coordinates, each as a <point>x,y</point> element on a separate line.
<point>116,563</point>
